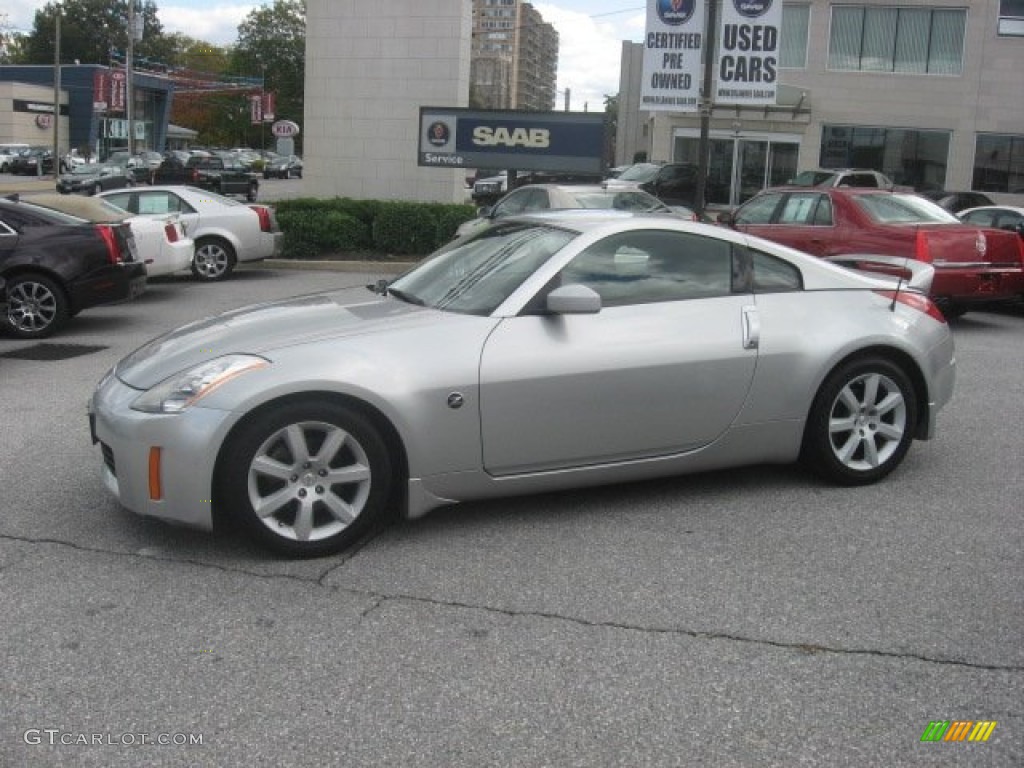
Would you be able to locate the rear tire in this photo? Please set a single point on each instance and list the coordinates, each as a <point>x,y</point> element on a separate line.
<point>36,307</point>
<point>861,423</point>
<point>306,478</point>
<point>251,193</point>
<point>214,259</point>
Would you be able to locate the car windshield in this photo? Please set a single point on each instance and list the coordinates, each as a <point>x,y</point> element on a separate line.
<point>474,276</point>
<point>631,201</point>
<point>640,172</point>
<point>903,209</point>
<point>811,178</point>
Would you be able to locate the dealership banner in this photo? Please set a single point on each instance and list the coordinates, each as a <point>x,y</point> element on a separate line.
<point>526,141</point>
<point>748,52</point>
<point>672,55</point>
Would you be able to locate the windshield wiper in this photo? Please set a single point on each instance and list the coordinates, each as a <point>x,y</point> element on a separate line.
<point>408,298</point>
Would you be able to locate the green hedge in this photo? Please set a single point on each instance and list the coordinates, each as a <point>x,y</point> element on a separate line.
<point>372,229</point>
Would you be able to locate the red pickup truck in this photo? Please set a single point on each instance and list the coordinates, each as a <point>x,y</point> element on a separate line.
<point>972,264</point>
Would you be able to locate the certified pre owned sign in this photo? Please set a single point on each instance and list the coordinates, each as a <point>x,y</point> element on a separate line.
<point>528,141</point>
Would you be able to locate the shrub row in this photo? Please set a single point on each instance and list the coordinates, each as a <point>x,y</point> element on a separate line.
<point>373,229</point>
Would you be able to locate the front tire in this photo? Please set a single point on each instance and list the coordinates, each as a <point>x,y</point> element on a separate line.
<point>36,306</point>
<point>861,423</point>
<point>306,478</point>
<point>214,260</point>
<point>251,193</point>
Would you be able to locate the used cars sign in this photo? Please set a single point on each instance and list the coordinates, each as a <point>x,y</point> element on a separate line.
<point>529,141</point>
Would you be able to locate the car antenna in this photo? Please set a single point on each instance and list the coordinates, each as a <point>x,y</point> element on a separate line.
<point>899,283</point>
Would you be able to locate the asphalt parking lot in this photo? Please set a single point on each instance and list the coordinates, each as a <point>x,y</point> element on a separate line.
<point>751,617</point>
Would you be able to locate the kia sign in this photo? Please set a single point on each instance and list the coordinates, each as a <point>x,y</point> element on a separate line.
<point>284,129</point>
<point>527,141</point>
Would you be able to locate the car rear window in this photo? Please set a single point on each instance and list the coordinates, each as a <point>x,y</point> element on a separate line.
<point>50,216</point>
<point>903,209</point>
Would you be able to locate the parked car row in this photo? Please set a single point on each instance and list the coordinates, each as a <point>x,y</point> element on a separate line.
<point>829,214</point>
<point>62,254</point>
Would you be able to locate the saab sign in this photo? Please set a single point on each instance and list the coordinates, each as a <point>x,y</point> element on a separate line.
<point>527,141</point>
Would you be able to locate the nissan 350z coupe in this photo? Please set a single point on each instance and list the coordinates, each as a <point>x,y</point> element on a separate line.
<point>546,352</point>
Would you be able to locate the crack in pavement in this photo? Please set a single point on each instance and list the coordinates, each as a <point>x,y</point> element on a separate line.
<point>381,597</point>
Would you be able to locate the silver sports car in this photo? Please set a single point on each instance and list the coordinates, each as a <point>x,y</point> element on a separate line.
<point>547,352</point>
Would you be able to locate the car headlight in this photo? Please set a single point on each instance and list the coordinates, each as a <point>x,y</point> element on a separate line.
<point>178,392</point>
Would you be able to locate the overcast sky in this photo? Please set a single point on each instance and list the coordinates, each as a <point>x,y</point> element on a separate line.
<point>590,34</point>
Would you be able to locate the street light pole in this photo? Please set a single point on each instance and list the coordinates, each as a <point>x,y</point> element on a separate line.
<point>706,103</point>
<point>56,101</point>
<point>129,80</point>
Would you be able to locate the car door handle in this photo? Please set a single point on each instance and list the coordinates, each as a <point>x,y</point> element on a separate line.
<point>751,328</point>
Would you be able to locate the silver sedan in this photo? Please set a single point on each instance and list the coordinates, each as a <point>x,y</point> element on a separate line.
<point>546,352</point>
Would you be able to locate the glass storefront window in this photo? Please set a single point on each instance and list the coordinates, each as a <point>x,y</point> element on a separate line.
<point>999,163</point>
<point>897,39</point>
<point>741,167</point>
<point>908,157</point>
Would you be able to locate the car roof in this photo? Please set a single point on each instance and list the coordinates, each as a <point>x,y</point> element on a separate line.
<point>997,207</point>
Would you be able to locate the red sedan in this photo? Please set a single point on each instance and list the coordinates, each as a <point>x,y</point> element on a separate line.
<point>972,264</point>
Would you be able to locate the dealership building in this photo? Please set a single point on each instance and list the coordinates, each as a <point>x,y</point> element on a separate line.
<point>930,93</point>
<point>93,102</point>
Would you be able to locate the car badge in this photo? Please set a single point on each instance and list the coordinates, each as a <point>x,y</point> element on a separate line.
<point>980,244</point>
<point>456,400</point>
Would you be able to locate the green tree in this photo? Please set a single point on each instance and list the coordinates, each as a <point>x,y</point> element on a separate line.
<point>90,30</point>
<point>272,44</point>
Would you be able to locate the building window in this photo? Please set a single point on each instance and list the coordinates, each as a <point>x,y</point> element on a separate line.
<point>890,39</point>
<point>795,20</point>
<point>1011,18</point>
<point>913,158</point>
<point>999,163</point>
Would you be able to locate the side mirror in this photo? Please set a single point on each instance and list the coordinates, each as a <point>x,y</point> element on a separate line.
<point>725,218</point>
<point>484,211</point>
<point>574,299</point>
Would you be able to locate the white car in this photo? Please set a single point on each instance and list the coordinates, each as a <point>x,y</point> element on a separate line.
<point>7,153</point>
<point>161,242</point>
<point>225,231</point>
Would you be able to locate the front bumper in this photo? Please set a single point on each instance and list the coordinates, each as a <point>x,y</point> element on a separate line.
<point>188,443</point>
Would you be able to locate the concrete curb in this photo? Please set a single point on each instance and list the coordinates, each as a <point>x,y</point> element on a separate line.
<point>337,265</point>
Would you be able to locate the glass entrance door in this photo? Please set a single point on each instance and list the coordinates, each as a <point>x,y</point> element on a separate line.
<point>740,167</point>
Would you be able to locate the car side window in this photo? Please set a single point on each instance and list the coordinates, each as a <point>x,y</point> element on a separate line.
<point>981,218</point>
<point>859,180</point>
<point>760,210</point>
<point>162,202</point>
<point>647,266</point>
<point>773,275</point>
<point>802,208</point>
<point>121,200</point>
<point>1009,220</point>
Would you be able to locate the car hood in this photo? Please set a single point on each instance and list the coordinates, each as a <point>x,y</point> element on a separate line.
<point>262,328</point>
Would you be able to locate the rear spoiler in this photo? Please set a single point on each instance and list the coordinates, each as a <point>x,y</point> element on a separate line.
<point>907,272</point>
